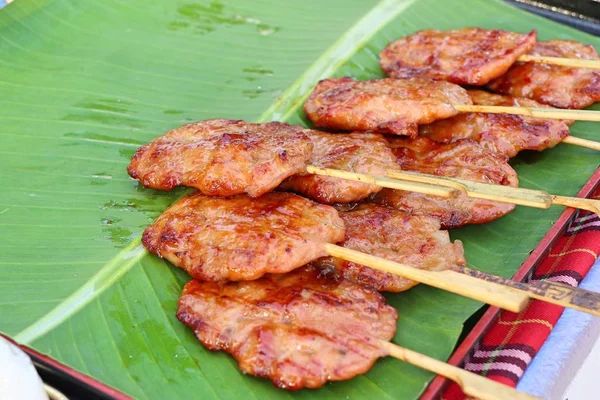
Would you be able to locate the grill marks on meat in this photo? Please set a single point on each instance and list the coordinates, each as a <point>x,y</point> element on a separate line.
<point>500,133</point>
<point>223,157</point>
<point>298,329</point>
<point>469,56</point>
<point>562,87</point>
<point>395,235</point>
<point>241,238</point>
<point>354,152</point>
<point>463,159</point>
<point>384,105</point>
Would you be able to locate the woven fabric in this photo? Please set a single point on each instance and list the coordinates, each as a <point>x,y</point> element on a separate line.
<point>514,339</point>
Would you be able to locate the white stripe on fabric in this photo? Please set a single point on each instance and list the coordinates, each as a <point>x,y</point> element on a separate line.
<point>494,366</point>
<point>584,226</point>
<point>520,354</point>
<point>569,280</point>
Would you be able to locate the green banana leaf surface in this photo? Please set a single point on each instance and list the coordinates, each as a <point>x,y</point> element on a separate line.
<point>83,83</point>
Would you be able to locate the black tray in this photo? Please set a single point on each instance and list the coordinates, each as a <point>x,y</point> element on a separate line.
<point>580,14</point>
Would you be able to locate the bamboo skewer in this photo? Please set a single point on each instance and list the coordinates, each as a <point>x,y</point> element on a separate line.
<point>435,190</point>
<point>501,292</point>
<point>590,144</point>
<point>536,112</point>
<point>492,293</point>
<point>54,394</point>
<point>471,384</point>
<point>548,291</point>
<point>504,194</point>
<point>565,62</point>
<point>450,187</point>
<point>577,202</point>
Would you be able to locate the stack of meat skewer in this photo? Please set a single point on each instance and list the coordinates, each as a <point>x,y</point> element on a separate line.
<point>271,286</point>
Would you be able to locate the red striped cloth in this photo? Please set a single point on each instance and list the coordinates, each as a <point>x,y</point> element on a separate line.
<point>510,344</point>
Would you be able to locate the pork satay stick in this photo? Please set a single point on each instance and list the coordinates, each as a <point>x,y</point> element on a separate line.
<point>302,330</point>
<point>228,157</point>
<point>399,106</point>
<point>577,141</point>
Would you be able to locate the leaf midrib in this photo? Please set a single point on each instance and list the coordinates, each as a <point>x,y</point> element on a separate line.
<point>288,103</point>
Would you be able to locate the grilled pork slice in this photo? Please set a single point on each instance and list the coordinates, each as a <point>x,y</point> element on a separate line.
<point>504,134</point>
<point>464,159</point>
<point>468,56</point>
<point>241,238</point>
<point>401,236</point>
<point>354,152</point>
<point>394,106</point>
<point>298,329</point>
<point>558,86</point>
<point>223,157</point>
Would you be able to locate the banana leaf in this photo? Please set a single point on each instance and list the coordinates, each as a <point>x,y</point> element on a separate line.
<point>83,83</point>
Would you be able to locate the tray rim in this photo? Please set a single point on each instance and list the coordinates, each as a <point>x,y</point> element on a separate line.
<point>105,390</point>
